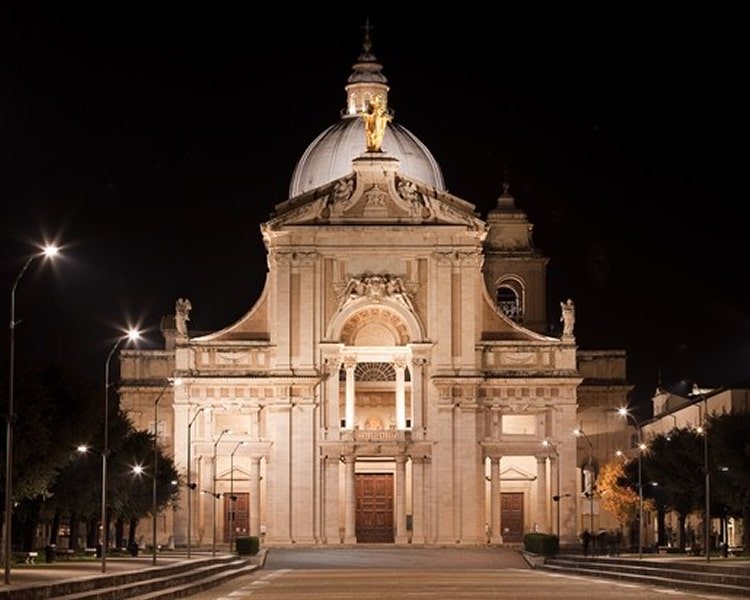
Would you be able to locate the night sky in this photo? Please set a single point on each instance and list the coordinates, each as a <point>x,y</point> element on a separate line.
<point>153,142</point>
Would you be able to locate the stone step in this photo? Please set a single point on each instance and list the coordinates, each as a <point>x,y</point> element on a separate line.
<point>189,576</point>
<point>719,579</point>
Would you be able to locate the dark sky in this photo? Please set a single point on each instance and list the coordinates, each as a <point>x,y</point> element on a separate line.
<point>153,142</point>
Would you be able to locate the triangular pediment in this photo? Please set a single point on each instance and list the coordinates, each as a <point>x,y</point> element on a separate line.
<point>376,192</point>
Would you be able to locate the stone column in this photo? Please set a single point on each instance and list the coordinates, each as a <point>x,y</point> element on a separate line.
<point>350,526</point>
<point>331,500</point>
<point>331,407</point>
<point>417,397</point>
<point>542,496</point>
<point>399,365</point>
<point>402,536</point>
<point>350,364</point>
<point>180,450</point>
<point>495,521</point>
<point>418,512</point>
<point>255,495</point>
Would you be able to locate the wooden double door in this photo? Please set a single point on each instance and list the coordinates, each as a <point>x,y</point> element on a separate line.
<point>511,517</point>
<point>236,516</point>
<point>374,515</point>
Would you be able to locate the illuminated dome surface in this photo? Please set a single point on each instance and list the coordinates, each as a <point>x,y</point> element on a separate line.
<point>330,155</point>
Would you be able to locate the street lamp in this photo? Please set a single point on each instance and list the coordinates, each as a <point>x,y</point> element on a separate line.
<point>623,412</point>
<point>131,335</point>
<point>556,497</point>
<point>156,464</point>
<point>232,497</point>
<point>213,493</point>
<point>190,485</point>
<point>707,474</point>
<point>49,251</point>
<point>591,483</point>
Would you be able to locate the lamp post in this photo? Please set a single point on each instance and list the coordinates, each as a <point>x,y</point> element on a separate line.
<point>232,498</point>
<point>156,466</point>
<point>132,335</point>
<point>623,412</point>
<point>707,475</point>
<point>556,497</point>
<point>213,493</point>
<point>190,484</point>
<point>589,492</point>
<point>49,251</point>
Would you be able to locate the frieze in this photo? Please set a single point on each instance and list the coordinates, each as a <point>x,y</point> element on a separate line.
<point>458,258</point>
<point>277,258</point>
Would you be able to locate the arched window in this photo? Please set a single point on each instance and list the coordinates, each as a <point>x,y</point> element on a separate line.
<point>509,298</point>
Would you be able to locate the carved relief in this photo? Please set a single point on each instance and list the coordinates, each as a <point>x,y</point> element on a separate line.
<point>518,358</point>
<point>232,358</point>
<point>448,214</point>
<point>375,202</point>
<point>374,315</point>
<point>413,200</point>
<point>375,288</point>
<point>341,198</point>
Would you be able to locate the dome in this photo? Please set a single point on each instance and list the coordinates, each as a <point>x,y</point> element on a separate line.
<point>330,155</point>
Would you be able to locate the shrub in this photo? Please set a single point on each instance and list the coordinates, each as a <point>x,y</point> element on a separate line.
<point>541,543</point>
<point>248,546</point>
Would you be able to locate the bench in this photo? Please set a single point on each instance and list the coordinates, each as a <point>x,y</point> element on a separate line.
<point>736,550</point>
<point>65,553</point>
<point>90,551</point>
<point>30,557</point>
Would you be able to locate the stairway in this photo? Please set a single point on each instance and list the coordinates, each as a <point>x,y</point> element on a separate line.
<point>176,580</point>
<point>721,577</point>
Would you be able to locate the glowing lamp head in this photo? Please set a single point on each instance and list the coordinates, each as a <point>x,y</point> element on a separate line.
<point>50,251</point>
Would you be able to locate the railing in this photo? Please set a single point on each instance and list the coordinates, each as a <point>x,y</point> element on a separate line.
<point>375,435</point>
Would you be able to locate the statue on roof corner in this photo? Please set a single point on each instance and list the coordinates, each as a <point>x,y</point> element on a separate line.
<point>568,317</point>
<point>182,315</point>
<point>376,118</point>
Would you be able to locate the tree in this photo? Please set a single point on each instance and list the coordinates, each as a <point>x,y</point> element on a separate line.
<point>617,497</point>
<point>50,411</point>
<point>674,463</point>
<point>729,451</point>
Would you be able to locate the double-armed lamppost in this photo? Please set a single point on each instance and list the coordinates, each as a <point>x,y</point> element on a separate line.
<point>49,251</point>
<point>169,383</point>
<point>556,497</point>
<point>190,485</point>
<point>591,484</point>
<point>213,493</point>
<point>624,412</point>
<point>131,335</point>
<point>232,497</point>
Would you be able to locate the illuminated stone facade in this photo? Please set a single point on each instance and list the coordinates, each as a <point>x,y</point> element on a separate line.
<point>392,383</point>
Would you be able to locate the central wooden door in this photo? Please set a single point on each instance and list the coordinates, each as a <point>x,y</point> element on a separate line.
<point>511,517</point>
<point>374,517</point>
<point>236,516</point>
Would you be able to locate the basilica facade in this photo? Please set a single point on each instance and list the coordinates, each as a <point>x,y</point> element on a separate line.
<point>395,382</point>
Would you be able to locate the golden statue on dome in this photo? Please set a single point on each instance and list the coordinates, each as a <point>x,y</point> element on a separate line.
<point>376,118</point>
